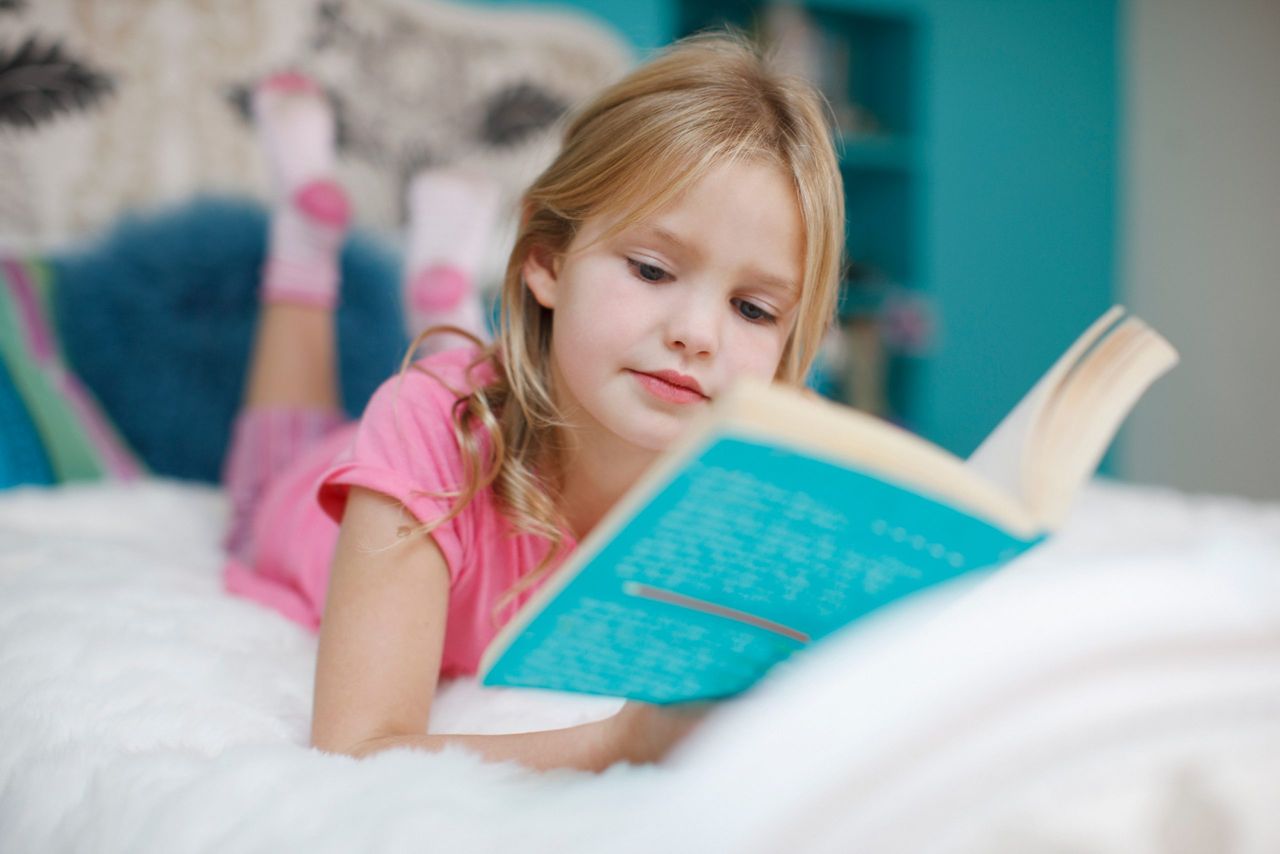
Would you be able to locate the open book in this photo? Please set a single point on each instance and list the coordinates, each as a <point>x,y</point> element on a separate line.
<point>783,517</point>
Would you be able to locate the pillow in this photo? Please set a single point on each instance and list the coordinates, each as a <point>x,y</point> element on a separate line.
<point>53,430</point>
<point>157,315</point>
<point>22,456</point>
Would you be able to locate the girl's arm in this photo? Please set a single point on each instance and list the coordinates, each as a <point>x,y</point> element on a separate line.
<point>381,643</point>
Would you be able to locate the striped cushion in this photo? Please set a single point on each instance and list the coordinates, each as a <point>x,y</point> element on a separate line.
<point>53,429</point>
<point>22,456</point>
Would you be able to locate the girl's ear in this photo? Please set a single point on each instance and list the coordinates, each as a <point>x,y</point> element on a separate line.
<point>539,272</point>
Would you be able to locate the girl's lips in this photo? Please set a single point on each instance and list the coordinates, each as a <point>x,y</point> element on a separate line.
<point>668,391</point>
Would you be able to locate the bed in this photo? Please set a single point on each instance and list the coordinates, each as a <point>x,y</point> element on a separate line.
<point>1116,690</point>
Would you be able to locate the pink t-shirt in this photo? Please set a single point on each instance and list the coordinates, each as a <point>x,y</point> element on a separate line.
<point>404,447</point>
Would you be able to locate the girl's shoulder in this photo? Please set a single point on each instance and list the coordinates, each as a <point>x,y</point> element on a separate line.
<point>462,362</point>
<point>408,428</point>
<point>418,405</point>
<point>442,378</point>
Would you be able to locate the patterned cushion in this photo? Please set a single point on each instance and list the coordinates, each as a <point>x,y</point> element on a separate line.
<point>53,429</point>
<point>22,455</point>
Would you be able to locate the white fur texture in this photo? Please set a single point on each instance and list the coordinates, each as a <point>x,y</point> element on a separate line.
<point>1118,690</point>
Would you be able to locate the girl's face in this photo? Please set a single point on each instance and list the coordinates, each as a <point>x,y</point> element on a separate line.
<point>652,324</point>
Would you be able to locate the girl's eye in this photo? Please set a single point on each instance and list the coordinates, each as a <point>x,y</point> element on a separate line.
<point>648,272</point>
<point>753,312</point>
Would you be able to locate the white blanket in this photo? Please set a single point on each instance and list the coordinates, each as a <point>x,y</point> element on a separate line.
<point>1117,690</point>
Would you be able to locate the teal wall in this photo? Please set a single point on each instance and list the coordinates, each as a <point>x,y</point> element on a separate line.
<point>1020,198</point>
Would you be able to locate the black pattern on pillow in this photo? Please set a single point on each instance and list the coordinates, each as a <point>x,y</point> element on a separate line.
<point>40,81</point>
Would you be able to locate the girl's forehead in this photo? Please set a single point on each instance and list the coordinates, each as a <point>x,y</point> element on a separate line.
<point>746,216</point>
<point>724,191</point>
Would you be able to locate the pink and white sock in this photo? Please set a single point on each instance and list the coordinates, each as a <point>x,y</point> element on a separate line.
<point>451,219</point>
<point>310,214</point>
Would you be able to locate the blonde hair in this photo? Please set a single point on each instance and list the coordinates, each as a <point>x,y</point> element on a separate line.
<point>630,152</point>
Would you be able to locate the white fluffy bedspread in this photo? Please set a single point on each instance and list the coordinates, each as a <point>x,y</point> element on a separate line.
<point>1117,690</point>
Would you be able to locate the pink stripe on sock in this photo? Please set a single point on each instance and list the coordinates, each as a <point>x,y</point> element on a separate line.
<point>314,284</point>
<point>325,202</point>
<point>438,288</point>
<point>290,81</point>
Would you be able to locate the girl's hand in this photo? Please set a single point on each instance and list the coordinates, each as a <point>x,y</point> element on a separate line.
<point>643,732</point>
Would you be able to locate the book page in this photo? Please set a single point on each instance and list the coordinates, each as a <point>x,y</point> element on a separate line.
<point>1096,400</point>
<point>847,437</point>
<point>1003,457</point>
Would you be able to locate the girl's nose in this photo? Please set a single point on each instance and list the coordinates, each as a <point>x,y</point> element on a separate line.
<point>692,329</point>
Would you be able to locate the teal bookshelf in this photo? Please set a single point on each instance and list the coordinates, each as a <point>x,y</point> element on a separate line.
<point>869,66</point>
<point>983,196</point>
<point>980,186</point>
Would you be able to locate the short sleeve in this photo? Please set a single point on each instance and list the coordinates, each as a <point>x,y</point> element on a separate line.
<point>405,448</point>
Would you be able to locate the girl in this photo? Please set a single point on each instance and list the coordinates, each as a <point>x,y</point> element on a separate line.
<point>687,234</point>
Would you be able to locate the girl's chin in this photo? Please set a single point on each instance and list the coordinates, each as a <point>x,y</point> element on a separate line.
<point>659,438</point>
<point>643,443</point>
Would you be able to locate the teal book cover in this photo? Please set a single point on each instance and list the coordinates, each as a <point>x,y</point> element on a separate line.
<point>748,553</point>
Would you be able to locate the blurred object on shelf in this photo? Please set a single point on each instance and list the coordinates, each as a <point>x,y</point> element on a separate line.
<point>907,323</point>
<point>865,58</point>
<point>802,46</point>
<point>825,374</point>
<point>796,42</point>
<point>856,122</point>
<point>863,291</point>
<point>865,366</point>
<point>878,320</point>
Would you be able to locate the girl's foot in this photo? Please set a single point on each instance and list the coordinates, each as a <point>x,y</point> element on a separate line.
<point>452,214</point>
<point>310,210</point>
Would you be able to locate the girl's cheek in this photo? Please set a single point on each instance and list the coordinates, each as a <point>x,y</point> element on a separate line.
<point>621,296</point>
<point>759,349</point>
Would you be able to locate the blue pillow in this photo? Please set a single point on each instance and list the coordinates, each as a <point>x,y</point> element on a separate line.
<point>157,318</point>
<point>22,456</point>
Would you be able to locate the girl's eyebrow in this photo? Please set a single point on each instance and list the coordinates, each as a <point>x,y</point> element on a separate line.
<point>777,283</point>
<point>757,276</point>
<point>666,236</point>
